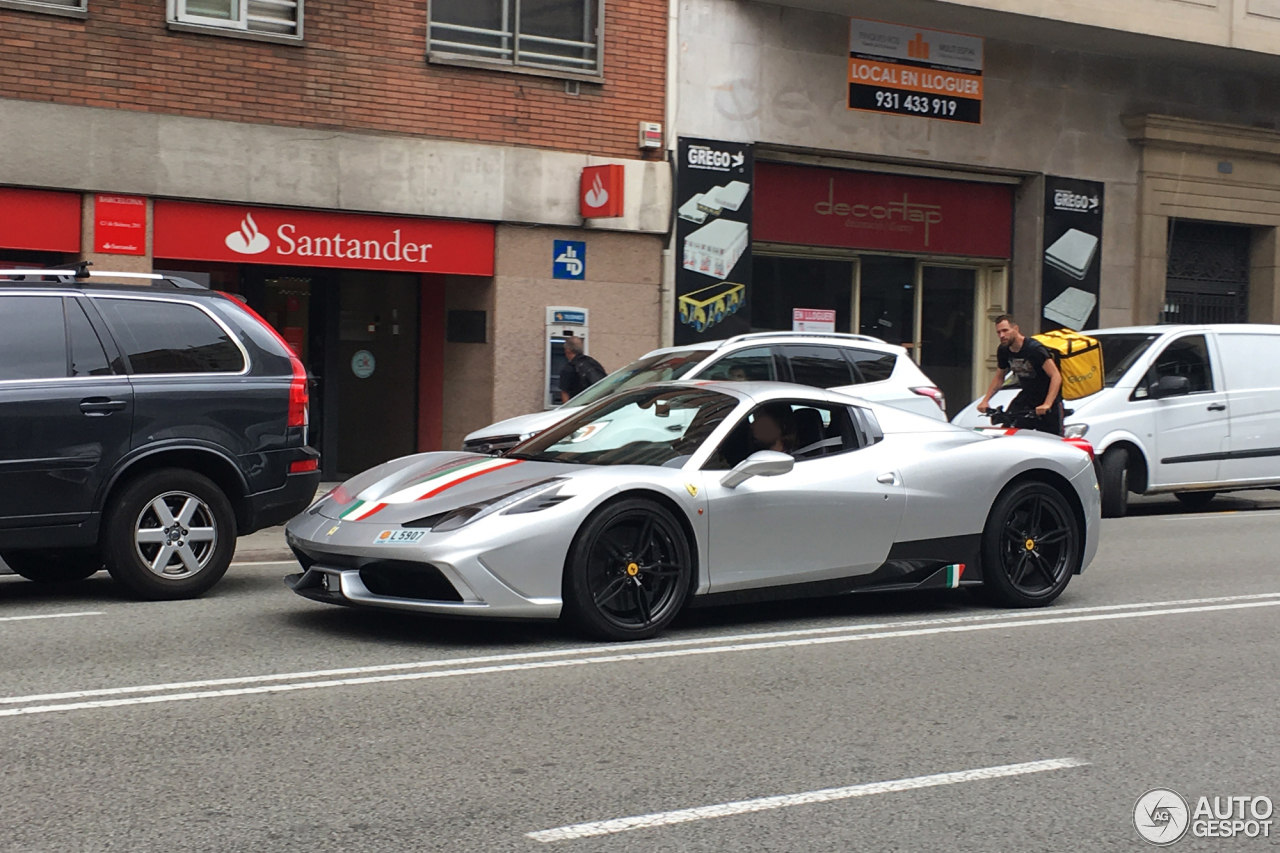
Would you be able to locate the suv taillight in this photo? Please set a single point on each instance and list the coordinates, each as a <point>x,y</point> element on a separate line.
<point>933,394</point>
<point>299,390</point>
<point>299,395</point>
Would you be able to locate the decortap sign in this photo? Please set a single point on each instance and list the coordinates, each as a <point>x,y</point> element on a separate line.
<point>915,71</point>
<point>312,238</point>
<point>806,205</point>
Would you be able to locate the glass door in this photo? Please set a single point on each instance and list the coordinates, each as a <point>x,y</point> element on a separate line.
<point>377,368</point>
<point>887,299</point>
<point>948,310</point>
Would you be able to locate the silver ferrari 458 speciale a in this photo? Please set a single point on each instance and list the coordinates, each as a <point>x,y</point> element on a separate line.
<point>695,493</point>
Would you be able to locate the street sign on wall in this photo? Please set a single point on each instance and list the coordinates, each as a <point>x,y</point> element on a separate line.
<point>1071,276</point>
<point>119,224</point>
<point>713,238</point>
<point>915,71</point>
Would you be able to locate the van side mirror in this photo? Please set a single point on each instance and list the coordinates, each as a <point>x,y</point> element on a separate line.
<point>1170,386</point>
<point>762,463</point>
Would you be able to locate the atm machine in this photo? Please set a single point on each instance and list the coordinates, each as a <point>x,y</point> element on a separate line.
<point>562,321</point>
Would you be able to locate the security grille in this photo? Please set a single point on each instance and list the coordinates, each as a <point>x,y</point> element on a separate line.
<point>1207,278</point>
<point>274,17</point>
<point>54,6</point>
<point>561,35</point>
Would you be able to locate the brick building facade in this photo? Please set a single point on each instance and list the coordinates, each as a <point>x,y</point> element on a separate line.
<point>364,116</point>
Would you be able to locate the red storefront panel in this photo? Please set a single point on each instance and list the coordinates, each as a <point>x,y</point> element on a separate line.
<point>308,238</point>
<point>866,210</point>
<point>39,221</point>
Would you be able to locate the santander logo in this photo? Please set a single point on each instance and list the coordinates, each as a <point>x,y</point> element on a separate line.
<point>248,240</point>
<point>597,196</point>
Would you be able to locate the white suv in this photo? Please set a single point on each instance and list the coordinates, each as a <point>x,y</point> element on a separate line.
<point>857,364</point>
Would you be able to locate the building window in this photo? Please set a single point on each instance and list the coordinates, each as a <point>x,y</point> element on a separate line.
<point>268,17</point>
<point>53,7</point>
<point>559,35</point>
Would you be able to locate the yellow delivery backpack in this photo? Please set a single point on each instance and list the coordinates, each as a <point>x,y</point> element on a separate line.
<point>1079,359</point>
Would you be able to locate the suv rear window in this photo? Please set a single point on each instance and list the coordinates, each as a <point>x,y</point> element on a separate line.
<point>874,366</point>
<point>33,338</point>
<point>819,367</point>
<point>170,337</point>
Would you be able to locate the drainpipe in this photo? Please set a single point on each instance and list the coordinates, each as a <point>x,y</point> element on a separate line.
<point>667,293</point>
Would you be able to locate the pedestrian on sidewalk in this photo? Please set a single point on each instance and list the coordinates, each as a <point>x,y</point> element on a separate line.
<point>580,372</point>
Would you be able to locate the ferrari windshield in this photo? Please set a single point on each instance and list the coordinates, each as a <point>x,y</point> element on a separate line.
<point>663,367</point>
<point>651,426</point>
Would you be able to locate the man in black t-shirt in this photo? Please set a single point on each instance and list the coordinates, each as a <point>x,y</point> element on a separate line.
<point>580,371</point>
<point>1038,376</point>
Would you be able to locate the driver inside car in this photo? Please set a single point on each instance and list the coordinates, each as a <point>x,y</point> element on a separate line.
<point>773,427</point>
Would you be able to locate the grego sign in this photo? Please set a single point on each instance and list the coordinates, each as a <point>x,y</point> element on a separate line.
<point>308,238</point>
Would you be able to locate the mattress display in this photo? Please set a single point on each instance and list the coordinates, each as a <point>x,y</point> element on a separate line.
<point>1071,308</point>
<point>1072,253</point>
<point>714,249</point>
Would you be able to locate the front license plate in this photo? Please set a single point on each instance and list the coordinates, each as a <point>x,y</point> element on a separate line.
<point>399,537</point>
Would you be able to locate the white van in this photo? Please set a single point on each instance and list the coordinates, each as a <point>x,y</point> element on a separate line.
<point>1192,410</point>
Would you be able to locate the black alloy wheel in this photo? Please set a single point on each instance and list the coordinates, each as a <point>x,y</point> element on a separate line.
<point>1031,547</point>
<point>629,571</point>
<point>64,565</point>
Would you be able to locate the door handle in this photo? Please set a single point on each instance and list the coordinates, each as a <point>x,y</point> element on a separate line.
<point>1217,407</point>
<point>99,407</point>
<point>888,479</point>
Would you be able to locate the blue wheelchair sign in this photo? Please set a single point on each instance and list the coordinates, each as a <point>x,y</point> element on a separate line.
<point>569,259</point>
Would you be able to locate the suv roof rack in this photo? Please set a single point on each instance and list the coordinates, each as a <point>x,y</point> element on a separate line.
<point>79,272</point>
<point>844,336</point>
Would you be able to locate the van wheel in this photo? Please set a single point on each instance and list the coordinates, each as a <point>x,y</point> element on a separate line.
<point>1191,500</point>
<point>54,566</point>
<point>1114,482</point>
<point>169,535</point>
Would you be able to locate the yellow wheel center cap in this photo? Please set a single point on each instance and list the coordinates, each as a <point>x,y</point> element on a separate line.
<point>633,569</point>
<point>1031,544</point>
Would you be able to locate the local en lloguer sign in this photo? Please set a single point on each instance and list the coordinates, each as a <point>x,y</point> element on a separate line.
<point>220,232</point>
<point>810,206</point>
<point>915,71</point>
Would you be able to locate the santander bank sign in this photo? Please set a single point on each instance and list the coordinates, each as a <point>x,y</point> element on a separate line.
<point>217,232</point>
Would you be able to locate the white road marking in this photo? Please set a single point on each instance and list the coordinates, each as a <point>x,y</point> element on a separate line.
<point>1005,616</point>
<point>648,821</point>
<point>51,616</point>
<point>266,563</point>
<point>607,659</point>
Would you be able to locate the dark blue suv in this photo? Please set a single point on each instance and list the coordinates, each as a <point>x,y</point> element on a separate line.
<point>142,429</point>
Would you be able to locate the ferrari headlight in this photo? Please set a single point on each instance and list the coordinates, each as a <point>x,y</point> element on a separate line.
<point>1075,430</point>
<point>463,516</point>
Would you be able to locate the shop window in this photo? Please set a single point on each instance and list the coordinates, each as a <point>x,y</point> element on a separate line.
<point>33,338</point>
<point>170,337</point>
<point>278,18</point>
<point>556,35</point>
<point>75,8</point>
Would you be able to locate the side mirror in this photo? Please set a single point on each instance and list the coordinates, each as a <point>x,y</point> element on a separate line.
<point>762,463</point>
<point>1171,386</point>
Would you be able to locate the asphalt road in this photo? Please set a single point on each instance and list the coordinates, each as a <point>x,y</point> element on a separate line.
<point>221,724</point>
